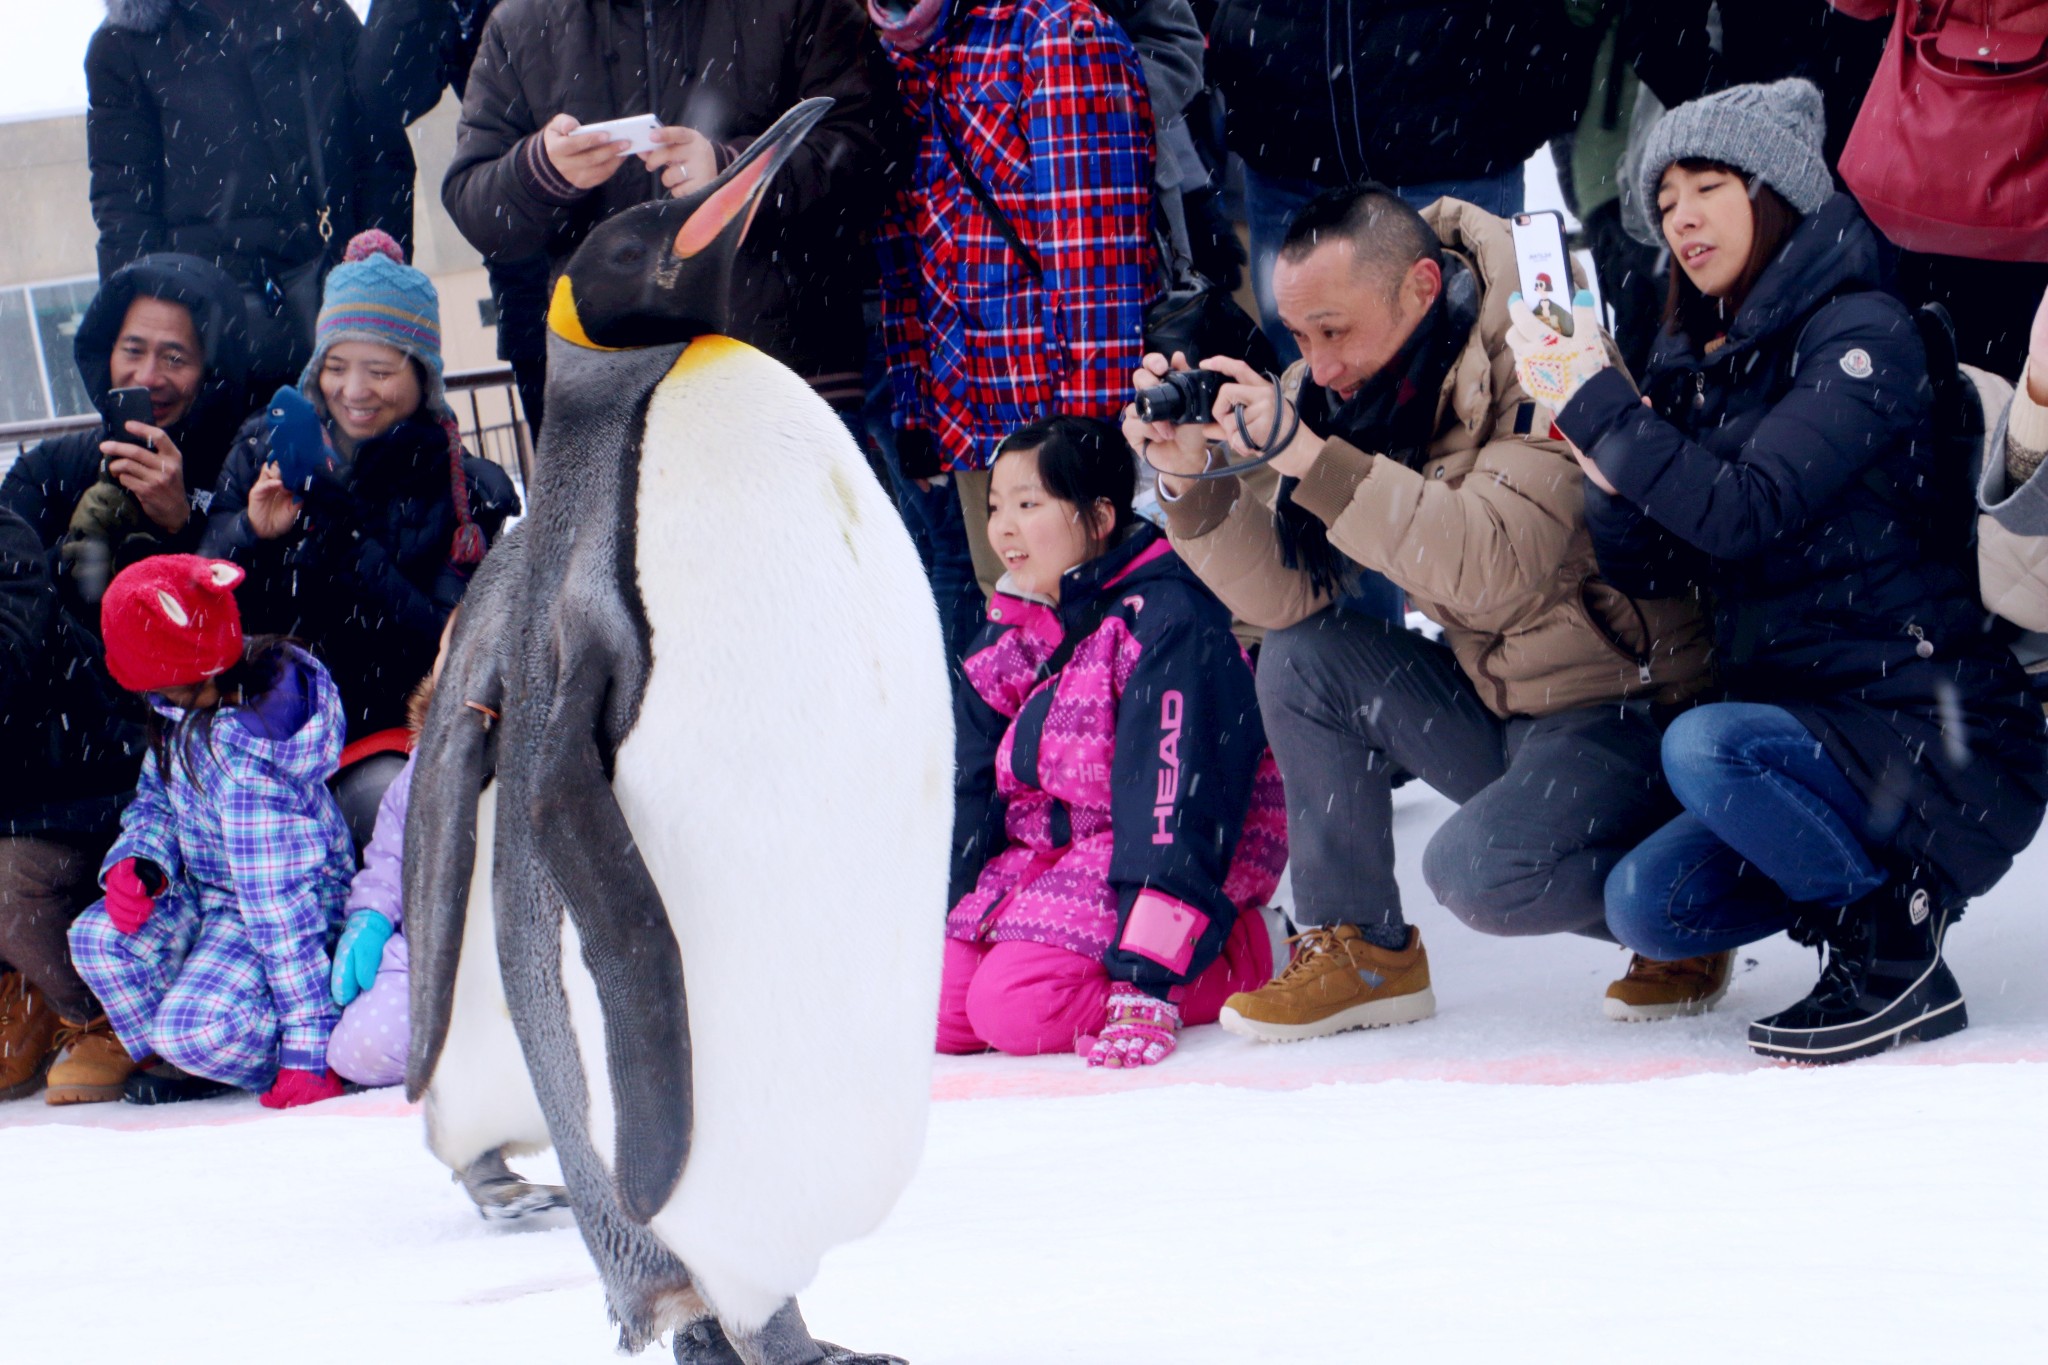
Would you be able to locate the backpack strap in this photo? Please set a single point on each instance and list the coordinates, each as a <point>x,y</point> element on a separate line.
<point>987,200</point>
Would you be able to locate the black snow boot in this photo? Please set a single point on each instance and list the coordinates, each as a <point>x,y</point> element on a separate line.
<point>1883,984</point>
<point>166,1084</point>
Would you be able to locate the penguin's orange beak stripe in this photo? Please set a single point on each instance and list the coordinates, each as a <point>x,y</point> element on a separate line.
<point>563,319</point>
<point>737,195</point>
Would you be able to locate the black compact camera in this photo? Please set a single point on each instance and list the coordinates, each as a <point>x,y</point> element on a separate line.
<point>1185,398</point>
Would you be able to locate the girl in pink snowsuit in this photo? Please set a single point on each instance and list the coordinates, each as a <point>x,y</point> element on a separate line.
<point>1117,811</point>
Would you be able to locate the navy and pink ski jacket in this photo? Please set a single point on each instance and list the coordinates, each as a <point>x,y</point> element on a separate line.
<point>1127,808</point>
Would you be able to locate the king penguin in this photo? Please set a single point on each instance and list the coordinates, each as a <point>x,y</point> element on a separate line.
<point>677,852</point>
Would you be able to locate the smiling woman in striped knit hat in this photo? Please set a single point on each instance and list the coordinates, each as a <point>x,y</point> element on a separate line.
<point>349,502</point>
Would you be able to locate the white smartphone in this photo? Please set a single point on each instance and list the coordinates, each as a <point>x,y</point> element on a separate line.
<point>1544,270</point>
<point>636,129</point>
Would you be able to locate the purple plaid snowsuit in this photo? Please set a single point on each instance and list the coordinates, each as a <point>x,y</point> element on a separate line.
<point>228,978</point>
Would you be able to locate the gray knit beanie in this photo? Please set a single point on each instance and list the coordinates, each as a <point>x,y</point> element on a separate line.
<point>1771,132</point>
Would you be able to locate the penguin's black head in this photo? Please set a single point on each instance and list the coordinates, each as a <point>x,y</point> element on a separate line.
<point>660,273</point>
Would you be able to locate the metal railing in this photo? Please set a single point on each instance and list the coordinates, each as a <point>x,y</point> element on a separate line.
<point>486,404</point>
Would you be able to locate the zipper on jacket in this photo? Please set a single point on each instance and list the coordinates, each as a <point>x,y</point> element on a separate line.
<point>1922,646</point>
<point>1611,640</point>
<point>1699,389</point>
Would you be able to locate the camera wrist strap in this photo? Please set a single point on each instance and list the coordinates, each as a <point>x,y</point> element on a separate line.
<point>1270,449</point>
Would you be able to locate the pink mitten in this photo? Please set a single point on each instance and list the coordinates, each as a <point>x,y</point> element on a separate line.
<point>129,899</point>
<point>293,1088</point>
<point>1141,1031</point>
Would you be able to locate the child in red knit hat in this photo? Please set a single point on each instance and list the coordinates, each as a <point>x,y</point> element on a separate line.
<point>232,868</point>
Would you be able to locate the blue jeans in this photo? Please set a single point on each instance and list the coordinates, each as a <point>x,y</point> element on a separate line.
<point>1771,823</point>
<point>937,528</point>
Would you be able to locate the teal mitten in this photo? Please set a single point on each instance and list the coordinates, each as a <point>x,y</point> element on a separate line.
<point>357,955</point>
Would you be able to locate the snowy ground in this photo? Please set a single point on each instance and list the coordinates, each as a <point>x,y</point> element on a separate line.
<point>1515,1180</point>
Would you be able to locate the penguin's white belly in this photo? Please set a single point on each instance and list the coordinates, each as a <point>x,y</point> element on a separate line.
<point>789,783</point>
<point>481,1095</point>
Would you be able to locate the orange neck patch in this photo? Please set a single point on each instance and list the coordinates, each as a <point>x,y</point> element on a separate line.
<point>563,320</point>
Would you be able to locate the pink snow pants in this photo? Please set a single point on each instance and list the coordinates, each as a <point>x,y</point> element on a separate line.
<point>1027,998</point>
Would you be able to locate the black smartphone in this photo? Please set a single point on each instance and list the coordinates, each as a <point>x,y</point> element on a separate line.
<point>129,405</point>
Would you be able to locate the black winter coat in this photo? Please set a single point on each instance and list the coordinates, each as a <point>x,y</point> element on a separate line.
<point>728,68</point>
<point>1396,90</point>
<point>412,50</point>
<point>363,576</point>
<point>1793,476</point>
<point>26,596</point>
<point>201,121</point>
<point>73,742</point>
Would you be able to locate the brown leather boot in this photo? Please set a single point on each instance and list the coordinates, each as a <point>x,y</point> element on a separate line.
<point>1337,981</point>
<point>28,1037</point>
<point>92,1065</point>
<point>1654,990</point>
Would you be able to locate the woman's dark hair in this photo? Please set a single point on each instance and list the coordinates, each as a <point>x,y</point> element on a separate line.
<point>1688,312</point>
<point>263,659</point>
<point>1081,461</point>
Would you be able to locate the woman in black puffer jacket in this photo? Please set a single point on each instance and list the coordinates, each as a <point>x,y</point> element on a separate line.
<point>362,543</point>
<point>1877,762</point>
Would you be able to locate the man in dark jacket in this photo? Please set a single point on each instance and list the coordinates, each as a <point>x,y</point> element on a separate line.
<point>233,130</point>
<point>71,740</point>
<point>525,183</point>
<point>175,325</point>
<point>1431,99</point>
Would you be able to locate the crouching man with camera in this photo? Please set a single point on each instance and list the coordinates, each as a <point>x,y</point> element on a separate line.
<point>1406,445</point>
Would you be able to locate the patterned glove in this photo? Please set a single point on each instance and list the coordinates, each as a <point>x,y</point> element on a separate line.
<point>1552,367</point>
<point>294,1087</point>
<point>357,955</point>
<point>1141,1031</point>
<point>130,897</point>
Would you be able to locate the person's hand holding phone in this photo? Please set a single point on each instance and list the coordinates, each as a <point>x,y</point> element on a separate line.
<point>153,470</point>
<point>685,158</point>
<point>1551,367</point>
<point>584,159</point>
<point>272,509</point>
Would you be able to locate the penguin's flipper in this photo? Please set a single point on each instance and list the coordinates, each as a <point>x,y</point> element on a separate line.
<point>586,851</point>
<point>455,757</point>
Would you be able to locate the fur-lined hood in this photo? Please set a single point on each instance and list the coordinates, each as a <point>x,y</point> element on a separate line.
<point>140,16</point>
<point>154,16</point>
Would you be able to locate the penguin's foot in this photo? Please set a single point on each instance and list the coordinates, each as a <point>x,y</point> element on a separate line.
<point>784,1340</point>
<point>703,1342</point>
<point>839,1355</point>
<point>501,1195</point>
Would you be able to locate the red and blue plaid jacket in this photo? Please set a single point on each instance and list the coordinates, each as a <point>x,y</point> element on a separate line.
<point>1046,101</point>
